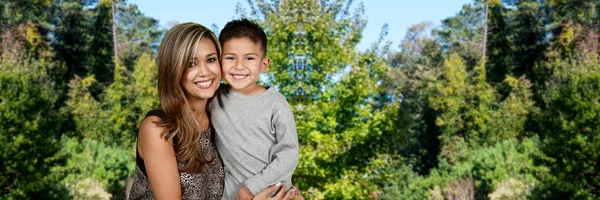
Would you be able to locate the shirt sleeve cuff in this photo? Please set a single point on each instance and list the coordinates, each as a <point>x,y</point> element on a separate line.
<point>255,186</point>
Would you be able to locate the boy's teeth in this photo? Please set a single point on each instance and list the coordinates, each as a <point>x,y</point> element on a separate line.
<point>239,76</point>
<point>204,83</point>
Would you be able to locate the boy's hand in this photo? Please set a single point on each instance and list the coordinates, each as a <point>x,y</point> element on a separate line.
<point>244,194</point>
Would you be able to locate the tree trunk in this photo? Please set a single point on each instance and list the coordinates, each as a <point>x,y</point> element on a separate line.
<point>485,31</point>
<point>114,27</point>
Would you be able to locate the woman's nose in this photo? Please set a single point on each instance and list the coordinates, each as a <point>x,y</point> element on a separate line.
<point>203,69</point>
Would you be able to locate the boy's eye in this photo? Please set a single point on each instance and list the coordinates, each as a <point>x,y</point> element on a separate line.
<point>250,58</point>
<point>211,60</point>
<point>229,58</point>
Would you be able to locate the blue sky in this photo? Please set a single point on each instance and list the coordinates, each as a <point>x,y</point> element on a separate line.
<point>398,14</point>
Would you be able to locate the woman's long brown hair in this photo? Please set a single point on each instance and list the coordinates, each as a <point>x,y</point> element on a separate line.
<point>174,54</point>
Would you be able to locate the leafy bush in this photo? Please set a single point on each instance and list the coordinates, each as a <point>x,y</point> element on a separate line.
<point>488,167</point>
<point>90,159</point>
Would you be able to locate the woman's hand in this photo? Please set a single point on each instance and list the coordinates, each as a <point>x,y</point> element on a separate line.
<point>292,193</point>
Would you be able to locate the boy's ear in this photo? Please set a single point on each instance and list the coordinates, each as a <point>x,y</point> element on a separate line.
<point>265,64</point>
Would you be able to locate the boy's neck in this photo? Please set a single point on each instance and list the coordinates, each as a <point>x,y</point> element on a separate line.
<point>251,90</point>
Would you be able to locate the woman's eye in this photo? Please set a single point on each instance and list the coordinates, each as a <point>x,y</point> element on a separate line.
<point>192,64</point>
<point>211,60</point>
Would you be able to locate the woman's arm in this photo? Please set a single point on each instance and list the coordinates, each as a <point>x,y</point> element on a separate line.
<point>159,159</point>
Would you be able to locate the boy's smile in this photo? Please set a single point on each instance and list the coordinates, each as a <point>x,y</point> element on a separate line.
<point>242,64</point>
<point>239,77</point>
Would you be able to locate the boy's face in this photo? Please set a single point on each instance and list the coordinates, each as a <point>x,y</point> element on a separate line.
<point>242,64</point>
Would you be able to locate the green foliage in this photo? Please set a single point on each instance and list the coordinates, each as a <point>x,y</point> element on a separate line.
<point>118,103</point>
<point>113,118</point>
<point>89,188</point>
<point>106,128</point>
<point>414,68</point>
<point>335,106</point>
<point>499,56</point>
<point>30,21</point>
<point>528,38</point>
<point>511,189</point>
<point>101,46</point>
<point>488,166</point>
<point>110,167</point>
<point>85,109</point>
<point>570,21</point>
<point>570,130</point>
<point>463,33</point>
<point>434,120</point>
<point>29,135</point>
<point>303,37</point>
<point>470,110</point>
<point>72,37</point>
<point>137,34</point>
<point>145,84</point>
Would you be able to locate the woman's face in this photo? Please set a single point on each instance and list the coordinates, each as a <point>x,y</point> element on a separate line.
<point>203,74</point>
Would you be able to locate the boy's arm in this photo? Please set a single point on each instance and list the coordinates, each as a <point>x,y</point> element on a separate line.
<point>284,153</point>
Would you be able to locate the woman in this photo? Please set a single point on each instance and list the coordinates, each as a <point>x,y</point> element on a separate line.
<point>176,157</point>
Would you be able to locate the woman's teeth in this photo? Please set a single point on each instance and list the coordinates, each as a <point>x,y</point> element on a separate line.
<point>204,83</point>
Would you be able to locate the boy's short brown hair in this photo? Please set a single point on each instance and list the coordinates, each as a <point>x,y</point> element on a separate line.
<point>244,28</point>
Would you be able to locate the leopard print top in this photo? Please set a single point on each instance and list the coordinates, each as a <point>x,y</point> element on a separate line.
<point>206,184</point>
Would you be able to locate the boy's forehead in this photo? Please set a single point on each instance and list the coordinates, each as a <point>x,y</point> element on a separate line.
<point>242,42</point>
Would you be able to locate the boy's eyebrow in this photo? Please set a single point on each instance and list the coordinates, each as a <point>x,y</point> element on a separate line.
<point>248,54</point>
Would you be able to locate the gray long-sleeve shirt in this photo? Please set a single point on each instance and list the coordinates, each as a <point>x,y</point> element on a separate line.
<point>256,138</point>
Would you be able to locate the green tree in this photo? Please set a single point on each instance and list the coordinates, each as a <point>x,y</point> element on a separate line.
<point>414,67</point>
<point>88,116</point>
<point>30,21</point>
<point>109,175</point>
<point>499,56</point>
<point>111,118</point>
<point>337,114</point>
<point>137,33</point>
<point>71,45</point>
<point>29,132</point>
<point>529,39</point>
<point>145,84</point>
<point>569,22</point>
<point>463,33</point>
<point>470,110</point>
<point>109,125</point>
<point>489,168</point>
<point>570,130</point>
<point>102,62</point>
<point>72,36</point>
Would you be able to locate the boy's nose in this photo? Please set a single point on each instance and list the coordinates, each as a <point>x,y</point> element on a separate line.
<point>238,65</point>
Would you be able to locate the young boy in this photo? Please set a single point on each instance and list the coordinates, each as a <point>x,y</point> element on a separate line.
<point>255,129</point>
